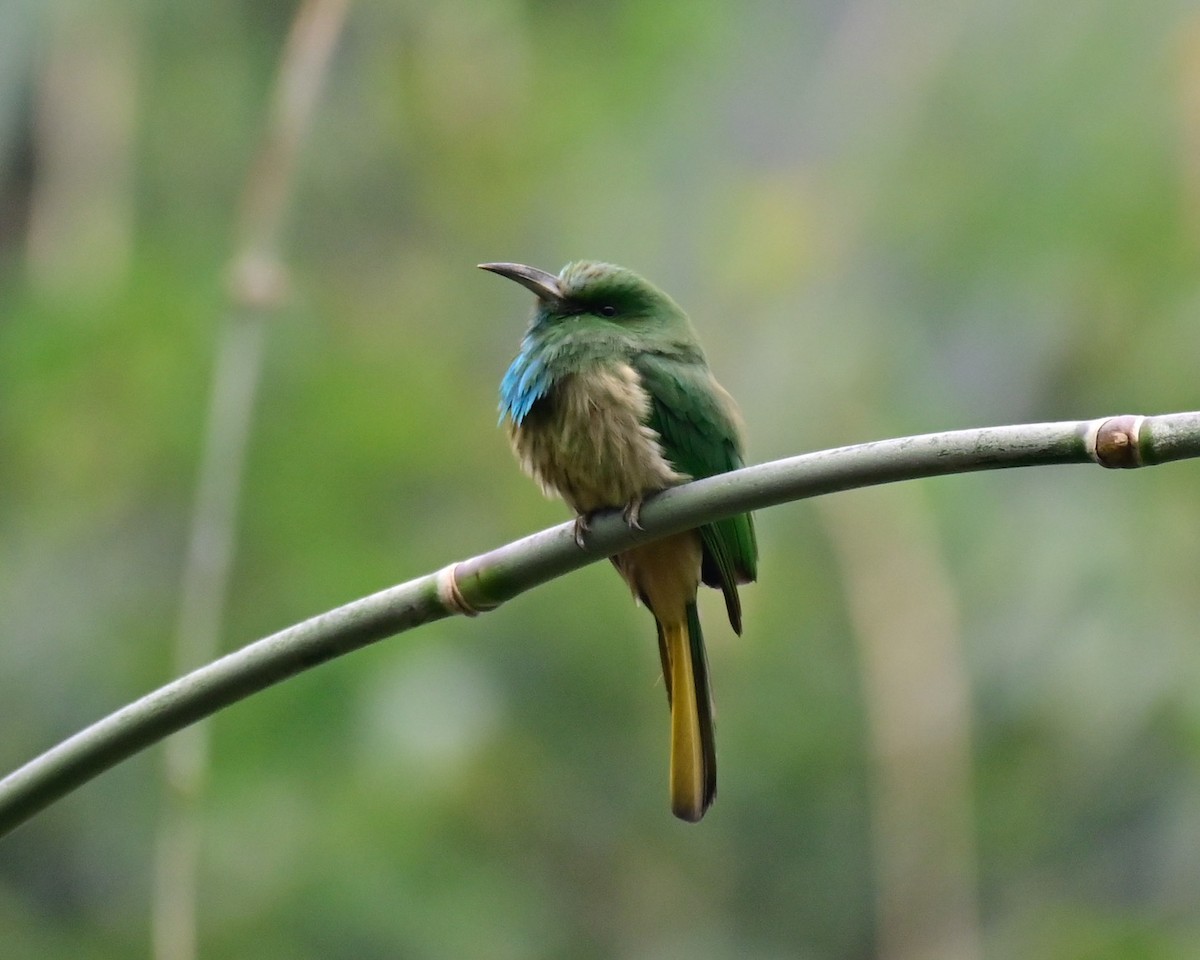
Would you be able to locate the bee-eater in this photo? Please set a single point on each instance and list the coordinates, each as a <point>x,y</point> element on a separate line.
<point>610,399</point>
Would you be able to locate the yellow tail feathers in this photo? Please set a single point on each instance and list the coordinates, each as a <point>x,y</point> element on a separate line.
<point>693,762</point>
<point>664,575</point>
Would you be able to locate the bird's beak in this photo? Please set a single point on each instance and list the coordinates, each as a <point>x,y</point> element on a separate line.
<point>544,285</point>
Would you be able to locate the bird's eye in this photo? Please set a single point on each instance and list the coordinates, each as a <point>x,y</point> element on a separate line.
<point>608,310</point>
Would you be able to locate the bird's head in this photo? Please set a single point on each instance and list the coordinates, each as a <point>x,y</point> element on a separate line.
<point>595,295</point>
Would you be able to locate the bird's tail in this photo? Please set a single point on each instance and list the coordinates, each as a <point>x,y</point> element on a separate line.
<point>693,748</point>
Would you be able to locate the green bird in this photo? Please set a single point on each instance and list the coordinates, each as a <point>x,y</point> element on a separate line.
<point>609,400</point>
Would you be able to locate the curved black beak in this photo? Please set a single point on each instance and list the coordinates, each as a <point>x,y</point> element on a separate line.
<point>544,285</point>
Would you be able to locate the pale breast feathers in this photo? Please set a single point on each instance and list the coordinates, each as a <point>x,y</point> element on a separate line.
<point>588,441</point>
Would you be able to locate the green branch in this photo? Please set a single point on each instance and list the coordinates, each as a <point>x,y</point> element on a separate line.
<point>484,582</point>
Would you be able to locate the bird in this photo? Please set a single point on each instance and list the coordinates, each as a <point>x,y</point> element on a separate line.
<point>609,400</point>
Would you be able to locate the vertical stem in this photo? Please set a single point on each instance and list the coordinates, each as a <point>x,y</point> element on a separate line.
<point>205,582</point>
<point>81,205</point>
<point>1189,121</point>
<point>917,698</point>
<point>258,288</point>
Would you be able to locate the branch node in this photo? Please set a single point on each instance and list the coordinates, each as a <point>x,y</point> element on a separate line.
<point>258,281</point>
<point>1115,442</point>
<point>451,595</point>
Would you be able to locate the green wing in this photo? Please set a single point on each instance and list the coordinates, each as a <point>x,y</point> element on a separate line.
<point>697,423</point>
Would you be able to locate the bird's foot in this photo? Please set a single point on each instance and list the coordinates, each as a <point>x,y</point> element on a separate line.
<point>631,513</point>
<point>583,525</point>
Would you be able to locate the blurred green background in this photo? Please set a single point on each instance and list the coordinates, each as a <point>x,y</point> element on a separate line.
<point>964,721</point>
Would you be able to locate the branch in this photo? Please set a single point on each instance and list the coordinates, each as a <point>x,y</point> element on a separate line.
<point>484,582</point>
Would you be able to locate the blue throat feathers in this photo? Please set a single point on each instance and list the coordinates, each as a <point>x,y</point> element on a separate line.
<point>525,382</point>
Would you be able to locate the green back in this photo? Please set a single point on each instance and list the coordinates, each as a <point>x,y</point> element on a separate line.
<point>700,436</point>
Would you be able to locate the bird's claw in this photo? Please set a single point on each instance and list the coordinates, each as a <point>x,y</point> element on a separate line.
<point>631,513</point>
<point>583,524</point>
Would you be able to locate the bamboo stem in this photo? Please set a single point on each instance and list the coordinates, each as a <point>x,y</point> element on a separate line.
<point>484,582</point>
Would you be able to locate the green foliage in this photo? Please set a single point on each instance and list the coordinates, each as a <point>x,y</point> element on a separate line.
<point>882,219</point>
